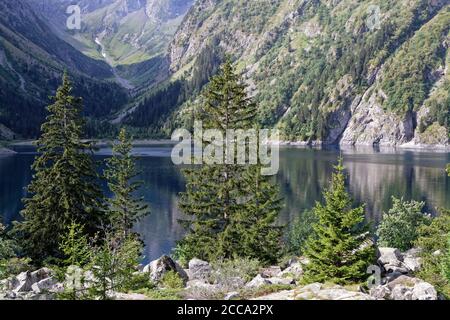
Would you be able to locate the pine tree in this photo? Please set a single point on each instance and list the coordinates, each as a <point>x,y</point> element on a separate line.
<point>114,261</point>
<point>432,239</point>
<point>75,246</point>
<point>340,249</point>
<point>252,232</point>
<point>220,224</point>
<point>64,188</point>
<point>77,251</point>
<point>124,208</point>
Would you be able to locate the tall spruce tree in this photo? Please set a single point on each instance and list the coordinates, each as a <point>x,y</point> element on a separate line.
<point>220,224</point>
<point>64,188</point>
<point>341,248</point>
<point>124,207</point>
<point>251,232</point>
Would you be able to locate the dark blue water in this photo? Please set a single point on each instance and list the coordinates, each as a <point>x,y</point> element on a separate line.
<point>373,178</point>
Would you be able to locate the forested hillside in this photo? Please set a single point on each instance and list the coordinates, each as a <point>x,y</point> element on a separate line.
<point>325,71</point>
<point>32,60</point>
<point>322,71</point>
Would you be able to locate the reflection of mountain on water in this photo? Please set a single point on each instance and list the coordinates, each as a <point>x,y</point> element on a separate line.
<point>418,176</point>
<point>373,177</point>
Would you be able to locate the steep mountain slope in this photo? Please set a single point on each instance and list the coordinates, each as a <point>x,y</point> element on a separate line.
<point>330,71</point>
<point>32,60</point>
<point>131,31</point>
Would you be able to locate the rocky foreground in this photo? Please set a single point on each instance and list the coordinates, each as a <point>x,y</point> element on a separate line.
<point>396,282</point>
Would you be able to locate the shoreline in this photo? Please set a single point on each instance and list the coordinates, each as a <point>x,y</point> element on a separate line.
<point>101,143</point>
<point>301,144</point>
<point>6,151</point>
<point>403,147</point>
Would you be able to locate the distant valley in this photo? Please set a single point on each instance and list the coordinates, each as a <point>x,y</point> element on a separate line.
<point>322,72</point>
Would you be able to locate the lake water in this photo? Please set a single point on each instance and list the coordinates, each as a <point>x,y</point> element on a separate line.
<point>373,177</point>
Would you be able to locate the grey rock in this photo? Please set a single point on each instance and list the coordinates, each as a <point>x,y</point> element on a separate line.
<point>317,291</point>
<point>405,288</point>
<point>270,272</point>
<point>23,282</point>
<point>159,267</point>
<point>412,263</point>
<point>380,292</point>
<point>401,292</point>
<point>295,270</point>
<point>390,256</point>
<point>313,288</point>
<point>281,281</point>
<point>40,274</point>
<point>199,270</point>
<point>44,285</point>
<point>371,124</point>
<point>257,282</point>
<point>128,296</point>
<point>231,295</point>
<point>340,293</point>
<point>424,291</point>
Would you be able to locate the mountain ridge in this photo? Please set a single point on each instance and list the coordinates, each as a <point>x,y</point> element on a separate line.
<point>313,65</point>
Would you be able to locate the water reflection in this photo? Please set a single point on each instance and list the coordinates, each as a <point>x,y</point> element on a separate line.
<point>374,176</point>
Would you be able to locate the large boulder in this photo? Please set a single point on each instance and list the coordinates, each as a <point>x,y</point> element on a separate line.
<point>294,270</point>
<point>159,267</point>
<point>424,291</point>
<point>199,270</point>
<point>318,291</point>
<point>405,288</point>
<point>412,260</point>
<point>281,281</point>
<point>391,260</point>
<point>45,285</point>
<point>41,274</point>
<point>390,257</point>
<point>257,282</point>
<point>22,282</point>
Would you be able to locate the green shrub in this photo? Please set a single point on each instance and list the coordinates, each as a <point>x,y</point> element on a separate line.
<point>446,262</point>
<point>140,281</point>
<point>14,266</point>
<point>399,227</point>
<point>300,229</point>
<point>266,289</point>
<point>182,254</point>
<point>7,246</point>
<point>9,263</point>
<point>433,239</point>
<point>161,294</point>
<point>227,272</point>
<point>172,280</point>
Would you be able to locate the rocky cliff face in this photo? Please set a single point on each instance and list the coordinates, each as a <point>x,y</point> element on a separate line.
<point>334,71</point>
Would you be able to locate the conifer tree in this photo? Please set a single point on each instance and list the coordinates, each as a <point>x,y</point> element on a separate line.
<point>340,249</point>
<point>75,246</point>
<point>114,261</point>
<point>124,208</point>
<point>251,231</point>
<point>64,188</point>
<point>220,224</point>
